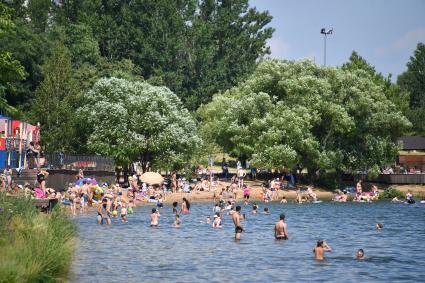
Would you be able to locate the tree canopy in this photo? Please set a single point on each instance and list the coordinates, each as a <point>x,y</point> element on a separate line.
<point>289,113</point>
<point>135,121</point>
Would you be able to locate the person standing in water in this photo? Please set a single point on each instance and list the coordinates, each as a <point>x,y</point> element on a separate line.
<point>320,249</point>
<point>185,206</point>
<point>236,217</point>
<point>104,212</point>
<point>154,217</point>
<point>280,229</point>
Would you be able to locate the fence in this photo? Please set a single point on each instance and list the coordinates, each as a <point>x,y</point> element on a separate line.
<point>78,161</point>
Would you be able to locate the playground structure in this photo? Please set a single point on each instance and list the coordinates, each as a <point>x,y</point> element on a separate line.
<point>15,137</point>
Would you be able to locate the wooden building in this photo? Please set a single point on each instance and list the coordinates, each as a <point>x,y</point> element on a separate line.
<point>412,155</point>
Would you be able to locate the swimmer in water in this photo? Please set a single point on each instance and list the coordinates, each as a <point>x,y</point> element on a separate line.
<point>360,254</point>
<point>177,221</point>
<point>266,211</point>
<point>236,217</point>
<point>217,221</point>
<point>208,220</point>
<point>254,208</point>
<point>283,200</point>
<point>124,213</point>
<point>175,211</point>
<point>154,217</point>
<point>379,226</point>
<point>320,249</point>
<point>280,229</point>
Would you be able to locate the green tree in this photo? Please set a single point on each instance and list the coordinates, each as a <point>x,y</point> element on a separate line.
<point>413,80</point>
<point>55,101</point>
<point>393,92</point>
<point>195,48</point>
<point>135,121</point>
<point>11,69</point>
<point>289,113</point>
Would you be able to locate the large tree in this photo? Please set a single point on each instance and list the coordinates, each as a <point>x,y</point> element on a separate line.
<point>290,113</point>
<point>135,121</point>
<point>11,69</point>
<point>195,48</point>
<point>413,81</point>
<point>55,101</point>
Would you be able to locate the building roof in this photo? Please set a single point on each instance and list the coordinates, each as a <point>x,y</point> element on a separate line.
<point>412,142</point>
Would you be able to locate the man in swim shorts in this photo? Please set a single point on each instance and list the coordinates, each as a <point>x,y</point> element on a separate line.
<point>280,229</point>
<point>236,217</point>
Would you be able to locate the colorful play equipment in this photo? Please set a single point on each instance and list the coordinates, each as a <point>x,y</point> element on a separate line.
<point>15,137</point>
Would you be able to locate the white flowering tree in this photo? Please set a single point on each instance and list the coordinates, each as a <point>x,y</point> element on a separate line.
<point>289,113</point>
<point>135,121</point>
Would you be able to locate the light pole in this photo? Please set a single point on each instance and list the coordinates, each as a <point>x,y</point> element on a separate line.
<point>325,33</point>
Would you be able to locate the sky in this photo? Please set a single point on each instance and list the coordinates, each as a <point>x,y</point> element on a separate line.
<point>384,32</point>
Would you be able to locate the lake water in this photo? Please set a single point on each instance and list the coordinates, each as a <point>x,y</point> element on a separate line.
<point>195,252</point>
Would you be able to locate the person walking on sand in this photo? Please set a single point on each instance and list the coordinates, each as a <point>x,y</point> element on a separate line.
<point>280,229</point>
<point>241,175</point>
<point>236,217</point>
<point>320,249</point>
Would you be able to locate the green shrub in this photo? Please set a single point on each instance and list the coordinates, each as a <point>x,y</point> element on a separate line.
<point>391,193</point>
<point>35,247</point>
<point>327,181</point>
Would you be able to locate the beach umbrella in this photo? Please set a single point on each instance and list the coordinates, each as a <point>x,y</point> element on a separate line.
<point>151,178</point>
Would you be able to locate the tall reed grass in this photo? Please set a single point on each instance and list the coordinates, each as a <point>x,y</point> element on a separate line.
<point>34,247</point>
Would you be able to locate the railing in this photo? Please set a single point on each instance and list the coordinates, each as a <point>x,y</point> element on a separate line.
<point>418,178</point>
<point>78,161</point>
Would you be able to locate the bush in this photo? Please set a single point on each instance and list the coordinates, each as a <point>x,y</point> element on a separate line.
<point>327,181</point>
<point>35,247</point>
<point>391,193</point>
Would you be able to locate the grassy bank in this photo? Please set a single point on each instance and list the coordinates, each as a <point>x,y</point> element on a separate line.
<point>35,247</point>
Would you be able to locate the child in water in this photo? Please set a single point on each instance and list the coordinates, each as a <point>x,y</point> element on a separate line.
<point>175,207</point>
<point>177,221</point>
<point>360,254</point>
<point>217,221</point>
<point>266,211</point>
<point>254,208</point>
<point>124,213</point>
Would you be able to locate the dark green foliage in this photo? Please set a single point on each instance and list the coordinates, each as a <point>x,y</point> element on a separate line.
<point>391,193</point>
<point>413,82</point>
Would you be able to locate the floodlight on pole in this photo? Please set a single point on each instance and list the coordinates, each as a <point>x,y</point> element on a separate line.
<point>325,33</point>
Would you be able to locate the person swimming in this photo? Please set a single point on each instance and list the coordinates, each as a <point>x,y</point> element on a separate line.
<point>360,254</point>
<point>266,211</point>
<point>217,221</point>
<point>320,249</point>
<point>177,221</point>
<point>379,226</point>
<point>175,211</point>
<point>254,208</point>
